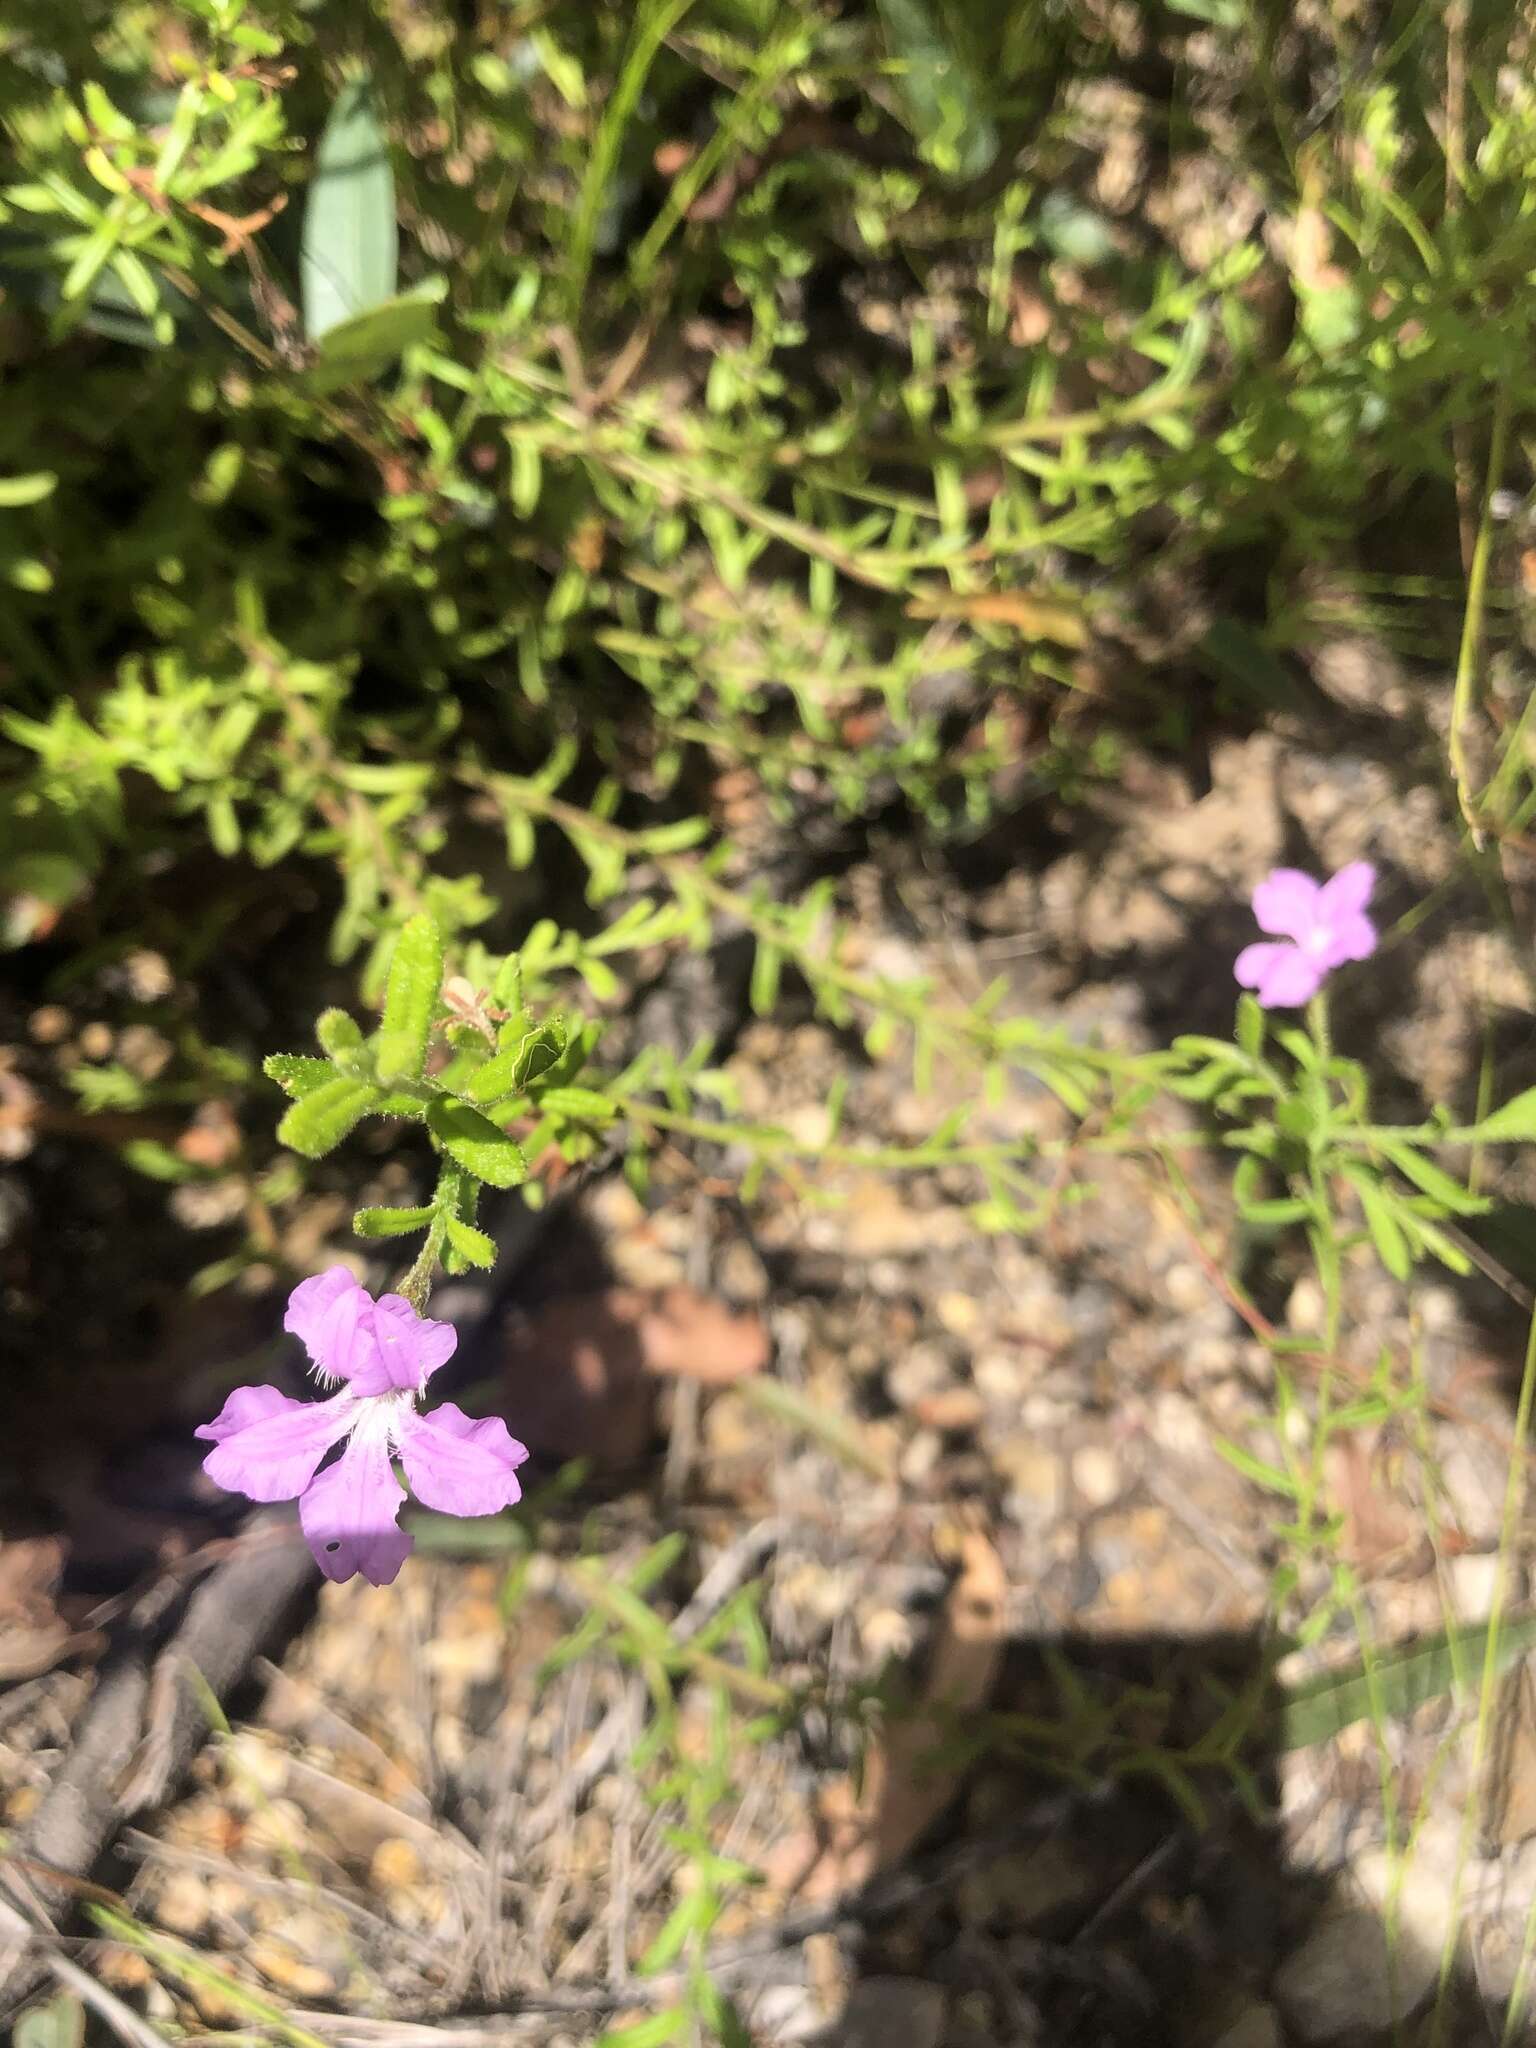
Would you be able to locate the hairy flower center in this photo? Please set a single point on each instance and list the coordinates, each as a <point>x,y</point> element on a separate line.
<point>379,1418</point>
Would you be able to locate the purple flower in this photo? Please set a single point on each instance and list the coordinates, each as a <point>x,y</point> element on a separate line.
<point>1321,926</point>
<point>270,1447</point>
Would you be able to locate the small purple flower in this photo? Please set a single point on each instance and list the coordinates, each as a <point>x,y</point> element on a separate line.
<point>270,1447</point>
<point>1321,924</point>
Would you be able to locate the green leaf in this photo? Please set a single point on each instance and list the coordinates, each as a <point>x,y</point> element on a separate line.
<point>159,1162</point>
<point>655,2032</point>
<point>26,490</point>
<point>60,2023</point>
<point>492,1079</point>
<point>410,1000</point>
<point>518,1063</point>
<point>319,1121</point>
<point>1386,1232</point>
<point>471,1244</point>
<point>507,988</point>
<point>473,1142</point>
<point>391,1222</point>
<point>1513,1124</point>
<point>297,1073</point>
<point>583,1104</point>
<point>338,1033</point>
<point>1250,1026</point>
<point>599,977</point>
<point>358,350</point>
<point>766,969</point>
<point>1253,1468</point>
<point>691,1911</point>
<point>1282,1209</point>
<point>1400,1681</point>
<point>1434,1181</point>
<point>939,92</point>
<point>1299,1117</point>
<point>349,258</point>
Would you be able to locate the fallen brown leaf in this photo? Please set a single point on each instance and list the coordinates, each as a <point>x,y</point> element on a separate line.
<point>904,1787</point>
<point>582,1373</point>
<point>34,1636</point>
<point>1038,618</point>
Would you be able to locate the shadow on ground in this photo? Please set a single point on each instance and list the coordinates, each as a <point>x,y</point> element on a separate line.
<point>1151,1906</point>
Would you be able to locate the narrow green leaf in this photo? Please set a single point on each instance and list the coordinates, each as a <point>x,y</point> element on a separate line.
<point>599,977</point>
<point>473,1142</point>
<point>1269,1476</point>
<point>1513,1124</point>
<point>1282,1209</point>
<point>507,988</point>
<point>767,966</point>
<point>1386,1232</point>
<point>319,1121</point>
<point>584,1104</point>
<point>1434,1181</point>
<point>1250,1026</point>
<point>349,259</point>
<point>410,1000</point>
<point>678,1925</point>
<point>26,490</point>
<point>338,1033</point>
<point>1399,1681</point>
<point>391,1222</point>
<point>655,2032</point>
<point>493,1078</point>
<point>297,1073</point>
<point>159,1162</point>
<point>471,1244</point>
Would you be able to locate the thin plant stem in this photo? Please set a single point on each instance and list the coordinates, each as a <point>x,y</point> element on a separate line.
<point>1514,1493</point>
<point>1468,658</point>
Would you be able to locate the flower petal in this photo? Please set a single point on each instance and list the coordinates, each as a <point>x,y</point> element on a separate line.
<point>245,1406</point>
<point>1348,891</point>
<point>398,1349</point>
<point>272,1455</point>
<point>1282,977</point>
<point>1285,902</point>
<point>347,1513</point>
<point>1350,937</point>
<point>329,1314</point>
<point>459,1466</point>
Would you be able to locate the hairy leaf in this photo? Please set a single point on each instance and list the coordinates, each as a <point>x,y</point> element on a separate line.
<point>319,1121</point>
<point>410,1000</point>
<point>473,1142</point>
<point>391,1222</point>
<point>298,1073</point>
<point>471,1244</point>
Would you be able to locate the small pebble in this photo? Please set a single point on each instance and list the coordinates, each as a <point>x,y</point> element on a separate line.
<point>290,1972</point>
<point>394,1864</point>
<point>1187,1289</point>
<point>952,1409</point>
<point>998,1375</point>
<point>1097,1476</point>
<point>181,1902</point>
<point>920,1456</point>
<point>922,1370</point>
<point>958,1312</point>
